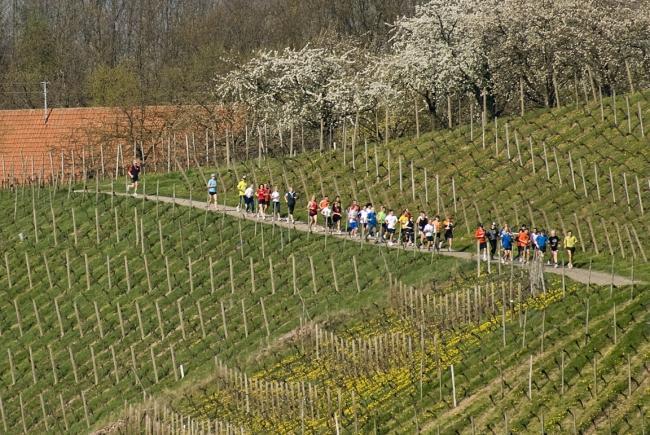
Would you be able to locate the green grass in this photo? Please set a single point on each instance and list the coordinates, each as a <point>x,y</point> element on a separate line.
<point>188,236</point>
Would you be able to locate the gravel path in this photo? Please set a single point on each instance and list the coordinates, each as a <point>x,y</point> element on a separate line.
<point>580,275</point>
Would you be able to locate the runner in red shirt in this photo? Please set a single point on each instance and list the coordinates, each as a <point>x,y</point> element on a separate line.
<point>479,234</point>
<point>261,201</point>
<point>312,211</point>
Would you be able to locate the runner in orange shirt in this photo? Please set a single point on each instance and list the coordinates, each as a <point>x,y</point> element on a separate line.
<point>523,243</point>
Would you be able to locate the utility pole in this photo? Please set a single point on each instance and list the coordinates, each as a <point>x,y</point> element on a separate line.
<point>44,101</point>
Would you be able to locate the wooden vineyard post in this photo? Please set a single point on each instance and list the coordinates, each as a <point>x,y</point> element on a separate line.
<point>532,156</point>
<point>266,322</point>
<point>52,364</point>
<point>438,194</point>
<point>74,365</point>
<point>173,357</point>
<point>496,137</point>
<point>557,167</point>
<point>453,385</point>
<point>243,312</point>
<point>74,227</point>
<point>426,187</point>
<point>223,319</point>
<point>580,239</point>
<point>548,172</point>
<point>181,323</point>
<point>627,193</point>
<point>597,183</point>
<point>399,161</point>
<point>638,191</point>
<point>629,116</point>
<point>376,162</point>
<point>271,275</point>
<point>12,367</point>
<point>412,183</point>
<point>252,273</point>
<point>336,283</point>
<point>417,117</point>
<point>119,316</point>
<point>139,314</point>
<point>388,166</point>
<point>582,175</point>
<point>365,152</point>
<point>99,320</point>
<point>153,360</point>
<point>293,274</point>
<point>201,324</point>
<point>313,274</point>
<point>160,322</point>
<point>640,118</point>
<point>356,273</point>
<point>611,185</point>
<point>530,378</point>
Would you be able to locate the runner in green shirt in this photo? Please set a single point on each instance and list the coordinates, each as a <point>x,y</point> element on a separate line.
<point>381,222</point>
<point>570,242</point>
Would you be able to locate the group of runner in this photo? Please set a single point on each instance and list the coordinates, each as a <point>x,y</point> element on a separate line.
<point>531,245</point>
<point>385,226</point>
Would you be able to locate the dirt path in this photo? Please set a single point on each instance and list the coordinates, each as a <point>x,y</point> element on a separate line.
<point>580,275</point>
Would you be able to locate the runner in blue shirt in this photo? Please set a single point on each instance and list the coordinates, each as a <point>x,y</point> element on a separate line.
<point>372,222</point>
<point>506,243</point>
<point>541,241</point>
<point>212,190</point>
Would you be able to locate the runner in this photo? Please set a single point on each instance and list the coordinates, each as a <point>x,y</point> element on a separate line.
<point>267,198</point>
<point>363,220</point>
<point>403,220</point>
<point>533,242</point>
<point>422,222</point>
<point>290,197</point>
<point>323,205</point>
<point>327,214</point>
<point>427,231</point>
<point>212,190</point>
<point>261,201</point>
<point>409,231</point>
<point>493,237</point>
<point>372,222</point>
<point>275,200</point>
<point>506,244</point>
<point>522,243</point>
<point>381,221</point>
<point>479,235</point>
<point>134,175</point>
<point>391,223</point>
<point>353,216</point>
<point>554,243</point>
<point>312,212</point>
<point>541,241</point>
<point>337,213</point>
<point>437,239</point>
<point>241,189</point>
<point>249,199</point>
<point>449,233</point>
<point>570,242</point>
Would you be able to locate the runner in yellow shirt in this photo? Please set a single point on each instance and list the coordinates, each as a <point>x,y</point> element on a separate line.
<point>570,242</point>
<point>241,189</point>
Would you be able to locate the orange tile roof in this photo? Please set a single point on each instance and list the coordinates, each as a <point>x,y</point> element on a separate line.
<point>31,146</point>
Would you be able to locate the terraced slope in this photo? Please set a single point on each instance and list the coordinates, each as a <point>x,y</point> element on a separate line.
<point>106,301</point>
<point>574,168</point>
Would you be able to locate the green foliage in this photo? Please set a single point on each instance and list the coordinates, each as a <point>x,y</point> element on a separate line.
<point>117,86</point>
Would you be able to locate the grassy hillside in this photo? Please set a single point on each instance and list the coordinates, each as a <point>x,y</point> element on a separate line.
<point>102,295</point>
<point>549,169</point>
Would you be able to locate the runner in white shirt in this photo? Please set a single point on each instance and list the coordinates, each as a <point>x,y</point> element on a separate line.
<point>327,214</point>
<point>391,222</point>
<point>248,198</point>
<point>275,200</point>
<point>428,235</point>
<point>363,220</point>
